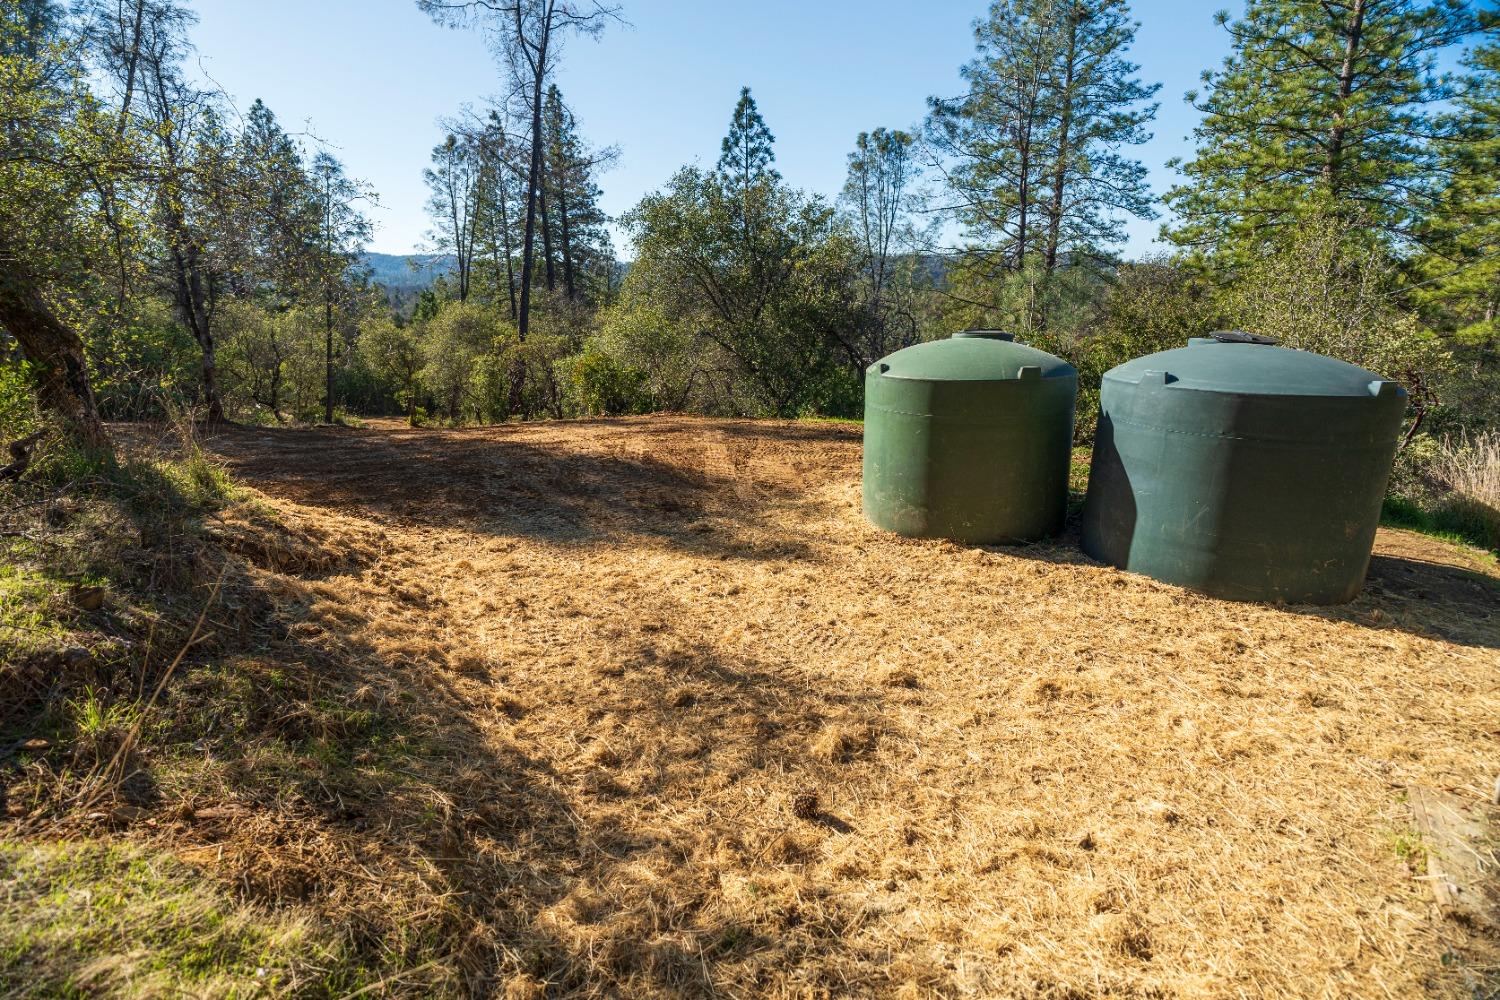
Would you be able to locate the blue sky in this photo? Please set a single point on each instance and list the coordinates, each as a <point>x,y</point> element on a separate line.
<point>372,78</point>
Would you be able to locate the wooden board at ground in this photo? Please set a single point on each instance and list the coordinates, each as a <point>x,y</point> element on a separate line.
<point>1463,868</point>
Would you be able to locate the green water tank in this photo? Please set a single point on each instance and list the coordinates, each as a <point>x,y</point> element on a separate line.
<point>1242,470</point>
<point>969,439</point>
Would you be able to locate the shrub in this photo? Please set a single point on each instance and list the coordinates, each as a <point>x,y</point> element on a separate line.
<point>18,416</point>
<point>1326,288</point>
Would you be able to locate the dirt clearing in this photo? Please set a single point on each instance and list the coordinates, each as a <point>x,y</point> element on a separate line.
<point>686,725</point>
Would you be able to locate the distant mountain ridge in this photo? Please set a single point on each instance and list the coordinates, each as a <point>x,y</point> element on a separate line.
<point>407,274</point>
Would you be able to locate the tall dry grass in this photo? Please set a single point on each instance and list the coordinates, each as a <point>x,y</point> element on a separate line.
<point>1470,469</point>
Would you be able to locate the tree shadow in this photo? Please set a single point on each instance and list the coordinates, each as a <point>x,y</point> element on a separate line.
<point>573,832</point>
<point>491,480</point>
<point>425,814</point>
<point>1450,602</point>
<point>1404,590</point>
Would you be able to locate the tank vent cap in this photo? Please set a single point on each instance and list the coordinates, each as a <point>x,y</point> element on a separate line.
<point>1235,337</point>
<point>983,335</point>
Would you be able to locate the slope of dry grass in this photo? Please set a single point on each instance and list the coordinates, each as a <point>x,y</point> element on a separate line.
<point>644,708</point>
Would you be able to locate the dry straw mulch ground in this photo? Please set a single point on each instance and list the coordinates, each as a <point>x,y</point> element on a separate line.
<point>677,722</point>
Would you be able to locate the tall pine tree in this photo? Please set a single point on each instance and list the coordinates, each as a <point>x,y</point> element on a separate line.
<point>585,254</point>
<point>454,182</point>
<point>1462,280</point>
<point>1099,108</point>
<point>1321,108</point>
<point>1032,151</point>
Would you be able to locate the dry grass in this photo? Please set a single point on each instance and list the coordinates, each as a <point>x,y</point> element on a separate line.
<point>1470,469</point>
<point>645,708</point>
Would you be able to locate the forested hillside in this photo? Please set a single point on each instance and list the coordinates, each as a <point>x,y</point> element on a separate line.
<point>405,274</point>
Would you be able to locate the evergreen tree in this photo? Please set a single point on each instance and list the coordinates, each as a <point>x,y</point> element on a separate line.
<point>454,180</point>
<point>1463,281</point>
<point>1033,148</point>
<point>30,26</point>
<point>1459,285</point>
<point>528,36</point>
<point>1320,108</point>
<point>991,137</point>
<point>496,209</point>
<point>585,252</point>
<point>278,211</point>
<point>343,234</point>
<point>1099,107</point>
<point>761,273</point>
<point>747,152</point>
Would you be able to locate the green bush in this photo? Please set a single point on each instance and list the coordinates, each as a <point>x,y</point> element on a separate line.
<point>18,415</point>
<point>600,384</point>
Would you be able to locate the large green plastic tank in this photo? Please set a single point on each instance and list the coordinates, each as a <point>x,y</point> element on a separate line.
<point>1243,470</point>
<point>969,439</point>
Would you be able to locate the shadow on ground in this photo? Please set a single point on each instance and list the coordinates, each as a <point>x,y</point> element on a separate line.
<point>682,492</point>
<point>303,766</point>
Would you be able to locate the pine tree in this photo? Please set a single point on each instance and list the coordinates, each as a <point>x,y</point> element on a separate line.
<point>747,152</point>
<point>1320,108</point>
<point>584,249</point>
<point>528,36</point>
<point>278,211</point>
<point>496,208</point>
<point>1463,280</point>
<point>1099,108</point>
<point>453,180</point>
<point>342,237</point>
<point>1032,148</point>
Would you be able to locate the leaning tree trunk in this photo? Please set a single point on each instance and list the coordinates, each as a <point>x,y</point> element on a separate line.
<point>54,351</point>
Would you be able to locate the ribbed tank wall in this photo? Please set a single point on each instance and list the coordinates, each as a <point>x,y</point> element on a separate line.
<point>970,442</point>
<point>1204,477</point>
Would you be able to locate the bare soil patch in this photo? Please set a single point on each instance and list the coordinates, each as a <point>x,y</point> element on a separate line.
<point>675,721</point>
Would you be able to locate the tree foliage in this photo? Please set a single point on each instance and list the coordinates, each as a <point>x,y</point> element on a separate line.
<point>1034,152</point>
<point>1320,108</point>
<point>759,271</point>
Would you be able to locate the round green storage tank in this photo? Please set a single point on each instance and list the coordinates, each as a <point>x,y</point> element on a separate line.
<point>969,439</point>
<point>1242,470</point>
